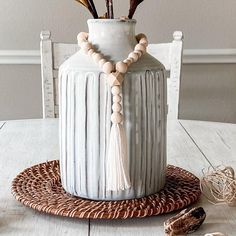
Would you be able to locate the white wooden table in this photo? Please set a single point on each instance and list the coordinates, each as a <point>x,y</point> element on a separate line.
<point>192,145</point>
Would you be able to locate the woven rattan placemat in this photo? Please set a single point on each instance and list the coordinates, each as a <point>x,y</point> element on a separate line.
<point>39,187</point>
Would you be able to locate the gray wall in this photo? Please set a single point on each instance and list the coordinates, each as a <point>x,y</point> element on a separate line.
<point>20,92</point>
<point>206,24</point>
<point>208,92</point>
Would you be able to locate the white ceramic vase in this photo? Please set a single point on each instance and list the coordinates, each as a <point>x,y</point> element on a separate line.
<point>85,111</point>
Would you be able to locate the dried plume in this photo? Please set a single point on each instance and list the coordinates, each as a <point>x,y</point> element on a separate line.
<point>89,4</point>
<point>109,6</point>
<point>133,6</point>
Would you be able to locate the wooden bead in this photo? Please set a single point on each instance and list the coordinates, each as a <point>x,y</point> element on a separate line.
<point>107,67</point>
<point>128,62</point>
<point>115,78</point>
<point>116,118</point>
<point>121,67</point>
<point>80,41</point>
<point>102,62</point>
<point>139,53</point>
<point>141,36</point>
<point>134,56</point>
<point>90,52</point>
<point>93,55</point>
<point>86,46</point>
<point>116,107</point>
<point>124,18</point>
<point>140,47</point>
<point>130,59</point>
<point>115,90</point>
<point>116,99</point>
<point>96,57</point>
<point>144,41</point>
<point>82,37</point>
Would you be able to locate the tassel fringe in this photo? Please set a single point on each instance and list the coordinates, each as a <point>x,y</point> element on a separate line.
<point>117,162</point>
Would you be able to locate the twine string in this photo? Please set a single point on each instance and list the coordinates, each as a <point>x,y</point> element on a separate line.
<point>219,185</point>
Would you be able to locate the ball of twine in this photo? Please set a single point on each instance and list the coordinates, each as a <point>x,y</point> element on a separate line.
<point>219,185</point>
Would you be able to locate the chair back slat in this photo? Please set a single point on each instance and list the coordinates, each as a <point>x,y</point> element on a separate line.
<point>61,52</point>
<point>47,75</point>
<point>161,52</point>
<point>170,55</point>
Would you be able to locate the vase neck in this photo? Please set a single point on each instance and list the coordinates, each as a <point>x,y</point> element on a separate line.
<point>115,39</point>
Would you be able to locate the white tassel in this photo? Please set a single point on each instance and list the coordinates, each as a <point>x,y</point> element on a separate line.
<point>117,168</point>
<point>117,162</point>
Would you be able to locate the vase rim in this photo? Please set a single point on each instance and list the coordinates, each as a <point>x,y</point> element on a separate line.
<point>116,20</point>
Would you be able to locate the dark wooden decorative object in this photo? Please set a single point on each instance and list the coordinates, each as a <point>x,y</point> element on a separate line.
<point>186,222</point>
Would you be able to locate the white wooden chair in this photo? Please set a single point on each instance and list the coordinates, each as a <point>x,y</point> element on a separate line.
<point>54,54</point>
<point>170,55</point>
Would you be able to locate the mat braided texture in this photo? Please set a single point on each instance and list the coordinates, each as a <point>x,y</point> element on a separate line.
<point>39,187</point>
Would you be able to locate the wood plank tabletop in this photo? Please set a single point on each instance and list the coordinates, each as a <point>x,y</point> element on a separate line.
<point>192,145</point>
<point>217,141</point>
<point>2,123</point>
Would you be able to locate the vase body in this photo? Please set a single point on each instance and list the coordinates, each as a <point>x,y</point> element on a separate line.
<point>85,112</point>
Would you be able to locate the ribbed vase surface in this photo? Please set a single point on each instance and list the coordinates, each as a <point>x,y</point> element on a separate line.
<point>85,112</point>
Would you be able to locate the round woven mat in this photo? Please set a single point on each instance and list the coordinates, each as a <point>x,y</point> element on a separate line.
<point>39,187</point>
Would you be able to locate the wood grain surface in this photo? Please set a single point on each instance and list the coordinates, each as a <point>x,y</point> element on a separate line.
<point>192,145</point>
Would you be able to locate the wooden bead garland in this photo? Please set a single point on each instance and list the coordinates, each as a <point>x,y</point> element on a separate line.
<point>134,56</point>
<point>96,57</point>
<point>82,37</point>
<point>101,63</point>
<point>138,52</point>
<point>86,46</point>
<point>117,158</point>
<point>90,52</point>
<point>121,67</point>
<point>116,116</point>
<point>106,66</point>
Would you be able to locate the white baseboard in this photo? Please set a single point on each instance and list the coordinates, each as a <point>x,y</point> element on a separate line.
<point>191,56</point>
